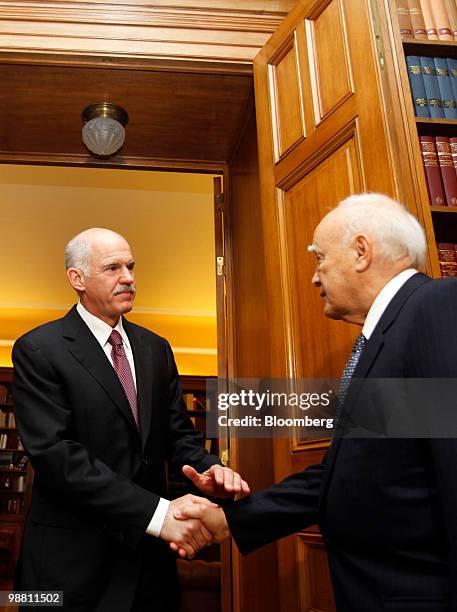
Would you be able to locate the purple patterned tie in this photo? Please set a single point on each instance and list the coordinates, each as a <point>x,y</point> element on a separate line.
<point>122,367</point>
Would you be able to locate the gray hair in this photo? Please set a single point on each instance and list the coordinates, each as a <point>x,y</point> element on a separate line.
<point>78,254</point>
<point>397,232</point>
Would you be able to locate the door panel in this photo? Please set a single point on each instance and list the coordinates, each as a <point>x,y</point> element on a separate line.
<point>321,134</point>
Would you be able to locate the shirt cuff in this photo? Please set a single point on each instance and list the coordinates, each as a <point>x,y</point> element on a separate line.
<point>155,526</point>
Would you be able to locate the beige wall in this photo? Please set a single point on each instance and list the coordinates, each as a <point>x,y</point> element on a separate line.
<point>168,219</point>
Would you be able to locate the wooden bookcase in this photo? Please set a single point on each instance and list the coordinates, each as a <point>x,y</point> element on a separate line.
<point>440,221</point>
<point>16,477</point>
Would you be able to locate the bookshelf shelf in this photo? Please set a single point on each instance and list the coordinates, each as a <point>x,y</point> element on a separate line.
<point>427,120</point>
<point>437,48</point>
<point>443,209</point>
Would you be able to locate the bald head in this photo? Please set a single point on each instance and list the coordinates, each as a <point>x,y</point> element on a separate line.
<point>79,250</point>
<point>397,234</point>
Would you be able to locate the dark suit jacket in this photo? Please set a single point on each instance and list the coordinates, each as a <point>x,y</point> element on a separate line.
<point>97,480</point>
<point>386,506</point>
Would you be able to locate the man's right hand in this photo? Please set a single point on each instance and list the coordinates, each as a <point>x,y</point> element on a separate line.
<point>186,537</point>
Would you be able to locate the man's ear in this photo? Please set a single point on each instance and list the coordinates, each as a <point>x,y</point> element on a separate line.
<point>364,250</point>
<point>76,278</point>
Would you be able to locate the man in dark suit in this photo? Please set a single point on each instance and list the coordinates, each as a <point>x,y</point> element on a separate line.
<point>385,501</point>
<point>99,410</point>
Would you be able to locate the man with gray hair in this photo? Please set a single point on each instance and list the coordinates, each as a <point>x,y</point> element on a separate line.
<point>386,504</point>
<point>99,409</point>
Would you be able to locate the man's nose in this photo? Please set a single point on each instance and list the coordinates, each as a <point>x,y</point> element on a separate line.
<point>316,280</point>
<point>127,276</point>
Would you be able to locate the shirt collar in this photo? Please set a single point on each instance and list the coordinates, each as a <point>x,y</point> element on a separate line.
<point>383,299</point>
<point>100,329</point>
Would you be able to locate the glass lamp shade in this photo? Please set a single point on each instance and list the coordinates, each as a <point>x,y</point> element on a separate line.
<point>103,135</point>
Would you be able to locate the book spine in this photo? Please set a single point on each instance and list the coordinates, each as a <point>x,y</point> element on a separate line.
<point>452,69</point>
<point>430,27</point>
<point>445,87</point>
<point>453,143</point>
<point>416,82</point>
<point>451,8</point>
<point>443,149</point>
<point>404,19</point>
<point>441,19</point>
<point>431,87</point>
<point>432,171</point>
<point>446,252</point>
<point>417,19</point>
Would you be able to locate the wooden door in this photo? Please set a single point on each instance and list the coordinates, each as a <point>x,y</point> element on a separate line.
<point>321,133</point>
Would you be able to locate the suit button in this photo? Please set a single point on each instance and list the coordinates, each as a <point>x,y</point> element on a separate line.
<point>145,461</point>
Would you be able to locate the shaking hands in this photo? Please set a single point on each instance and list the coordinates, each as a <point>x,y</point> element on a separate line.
<point>193,522</point>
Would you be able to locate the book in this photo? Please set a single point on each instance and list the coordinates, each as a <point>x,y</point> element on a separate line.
<point>441,19</point>
<point>443,149</point>
<point>431,87</point>
<point>417,19</point>
<point>445,86</point>
<point>432,171</point>
<point>446,252</point>
<point>3,394</point>
<point>416,82</point>
<point>451,8</point>
<point>453,143</point>
<point>430,27</point>
<point>404,19</point>
<point>452,70</point>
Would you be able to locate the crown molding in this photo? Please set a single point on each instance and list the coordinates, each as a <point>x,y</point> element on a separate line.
<point>231,31</point>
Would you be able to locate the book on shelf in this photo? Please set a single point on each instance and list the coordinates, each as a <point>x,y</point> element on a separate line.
<point>447,257</point>
<point>416,82</point>
<point>3,394</point>
<point>448,102</point>
<point>417,19</point>
<point>6,459</point>
<point>429,21</point>
<point>443,149</point>
<point>453,143</point>
<point>404,19</point>
<point>451,8</point>
<point>431,87</point>
<point>432,171</point>
<point>441,19</point>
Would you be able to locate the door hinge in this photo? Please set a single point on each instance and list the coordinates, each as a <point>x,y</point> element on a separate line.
<point>219,202</point>
<point>224,456</point>
<point>220,266</point>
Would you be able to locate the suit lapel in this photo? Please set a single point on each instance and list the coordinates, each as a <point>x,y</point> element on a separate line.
<point>85,348</point>
<point>370,353</point>
<point>142,356</point>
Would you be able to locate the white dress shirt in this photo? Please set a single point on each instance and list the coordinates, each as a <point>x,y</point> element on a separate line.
<point>102,332</point>
<point>383,299</point>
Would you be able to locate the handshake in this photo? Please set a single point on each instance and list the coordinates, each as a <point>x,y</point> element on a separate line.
<point>193,522</point>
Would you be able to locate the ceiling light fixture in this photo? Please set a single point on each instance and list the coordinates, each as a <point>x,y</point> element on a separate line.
<point>103,131</point>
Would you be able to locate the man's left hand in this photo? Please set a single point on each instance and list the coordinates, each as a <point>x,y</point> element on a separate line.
<point>218,481</point>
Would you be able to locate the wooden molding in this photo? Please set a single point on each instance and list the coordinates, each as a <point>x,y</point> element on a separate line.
<point>224,30</point>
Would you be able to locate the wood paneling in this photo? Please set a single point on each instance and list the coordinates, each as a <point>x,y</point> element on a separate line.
<point>255,579</point>
<point>346,150</point>
<point>314,577</point>
<point>231,30</point>
<point>286,99</point>
<point>330,63</point>
<point>194,116</point>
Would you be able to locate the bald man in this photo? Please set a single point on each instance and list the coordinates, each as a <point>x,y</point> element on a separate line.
<point>99,409</point>
<point>385,497</point>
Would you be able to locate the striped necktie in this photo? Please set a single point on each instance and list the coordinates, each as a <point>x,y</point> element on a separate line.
<point>122,367</point>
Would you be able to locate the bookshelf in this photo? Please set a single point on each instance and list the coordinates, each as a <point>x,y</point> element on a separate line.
<point>441,218</point>
<point>15,480</point>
